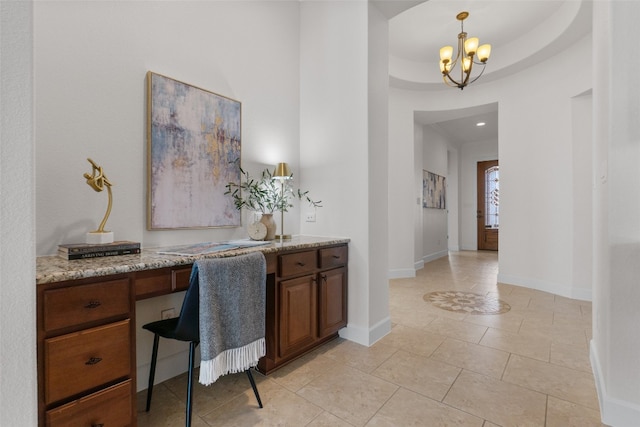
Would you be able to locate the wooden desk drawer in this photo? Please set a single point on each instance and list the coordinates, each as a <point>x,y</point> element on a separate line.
<point>333,257</point>
<point>108,407</point>
<point>161,282</point>
<point>75,305</point>
<point>152,282</point>
<point>86,359</point>
<point>297,263</point>
<point>180,278</point>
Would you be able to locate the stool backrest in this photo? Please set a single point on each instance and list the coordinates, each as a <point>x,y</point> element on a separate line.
<point>188,328</point>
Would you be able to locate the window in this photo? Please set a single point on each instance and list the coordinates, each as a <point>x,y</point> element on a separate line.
<point>492,197</point>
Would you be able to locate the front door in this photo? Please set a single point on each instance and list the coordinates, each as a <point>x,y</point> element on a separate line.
<point>488,205</point>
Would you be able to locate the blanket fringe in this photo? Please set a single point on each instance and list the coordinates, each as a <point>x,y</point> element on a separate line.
<point>231,361</point>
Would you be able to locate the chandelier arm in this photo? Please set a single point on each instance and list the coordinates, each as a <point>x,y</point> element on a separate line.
<point>461,38</point>
<point>444,79</point>
<point>447,75</point>
<point>467,73</point>
<point>478,76</point>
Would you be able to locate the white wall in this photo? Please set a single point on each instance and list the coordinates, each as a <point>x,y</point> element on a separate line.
<point>90,64</point>
<point>434,221</point>
<point>418,159</point>
<point>378,173</point>
<point>615,348</point>
<point>453,198</point>
<point>402,188</point>
<point>337,153</point>
<point>582,199</point>
<point>18,380</point>
<point>535,124</point>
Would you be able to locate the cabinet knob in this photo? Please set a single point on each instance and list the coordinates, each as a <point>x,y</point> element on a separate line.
<point>93,361</point>
<point>93,304</point>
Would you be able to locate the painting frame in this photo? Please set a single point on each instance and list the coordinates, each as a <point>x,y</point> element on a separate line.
<point>434,191</point>
<point>194,137</point>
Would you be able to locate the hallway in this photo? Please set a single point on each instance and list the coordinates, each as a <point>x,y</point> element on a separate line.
<point>528,366</point>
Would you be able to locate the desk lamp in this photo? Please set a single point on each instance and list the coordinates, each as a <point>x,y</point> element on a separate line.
<point>282,173</point>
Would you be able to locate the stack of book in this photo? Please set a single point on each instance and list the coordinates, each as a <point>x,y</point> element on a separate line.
<point>84,251</point>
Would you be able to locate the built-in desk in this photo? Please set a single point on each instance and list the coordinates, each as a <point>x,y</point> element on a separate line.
<point>86,320</point>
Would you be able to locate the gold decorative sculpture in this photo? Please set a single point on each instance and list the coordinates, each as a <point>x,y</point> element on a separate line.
<point>98,181</point>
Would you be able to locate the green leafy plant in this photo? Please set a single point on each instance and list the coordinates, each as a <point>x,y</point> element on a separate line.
<point>265,194</point>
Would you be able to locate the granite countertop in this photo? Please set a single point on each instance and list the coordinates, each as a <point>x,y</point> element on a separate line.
<point>53,268</point>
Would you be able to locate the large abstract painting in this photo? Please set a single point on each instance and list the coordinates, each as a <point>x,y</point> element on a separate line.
<point>193,140</point>
<point>433,190</point>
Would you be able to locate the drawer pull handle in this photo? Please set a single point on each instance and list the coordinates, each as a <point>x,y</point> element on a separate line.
<point>97,425</point>
<point>93,361</point>
<point>336,256</point>
<point>301,264</point>
<point>93,304</point>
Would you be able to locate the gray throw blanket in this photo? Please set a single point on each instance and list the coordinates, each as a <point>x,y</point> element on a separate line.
<point>232,314</point>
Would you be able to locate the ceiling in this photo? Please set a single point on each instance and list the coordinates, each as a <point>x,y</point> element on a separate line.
<point>460,126</point>
<point>521,33</point>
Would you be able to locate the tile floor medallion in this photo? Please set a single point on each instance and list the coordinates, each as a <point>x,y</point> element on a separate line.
<point>467,302</point>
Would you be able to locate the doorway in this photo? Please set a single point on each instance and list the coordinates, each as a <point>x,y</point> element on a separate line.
<point>488,211</point>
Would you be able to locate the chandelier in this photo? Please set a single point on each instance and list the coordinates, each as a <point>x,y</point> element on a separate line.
<point>468,52</point>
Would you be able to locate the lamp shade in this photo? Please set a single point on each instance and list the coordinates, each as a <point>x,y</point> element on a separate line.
<point>471,45</point>
<point>282,171</point>
<point>483,52</point>
<point>466,64</point>
<point>446,53</point>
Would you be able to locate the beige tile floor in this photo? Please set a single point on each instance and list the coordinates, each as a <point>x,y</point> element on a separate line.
<point>527,367</point>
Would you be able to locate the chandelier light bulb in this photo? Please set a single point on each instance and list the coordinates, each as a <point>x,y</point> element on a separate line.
<point>471,45</point>
<point>466,64</point>
<point>483,52</point>
<point>446,53</point>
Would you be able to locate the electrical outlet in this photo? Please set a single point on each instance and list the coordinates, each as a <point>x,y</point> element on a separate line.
<point>169,313</point>
<point>311,217</point>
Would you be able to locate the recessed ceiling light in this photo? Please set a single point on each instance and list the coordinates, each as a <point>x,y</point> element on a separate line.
<point>480,124</point>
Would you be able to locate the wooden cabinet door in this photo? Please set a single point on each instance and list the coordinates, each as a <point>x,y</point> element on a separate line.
<point>298,314</point>
<point>333,301</point>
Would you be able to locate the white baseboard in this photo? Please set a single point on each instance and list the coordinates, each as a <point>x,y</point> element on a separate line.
<point>366,336</point>
<point>402,273</point>
<point>542,285</point>
<point>613,412</point>
<point>407,273</point>
<point>434,256</point>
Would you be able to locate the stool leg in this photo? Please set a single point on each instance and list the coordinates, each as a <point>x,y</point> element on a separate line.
<point>253,386</point>
<point>152,371</point>
<point>192,351</point>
